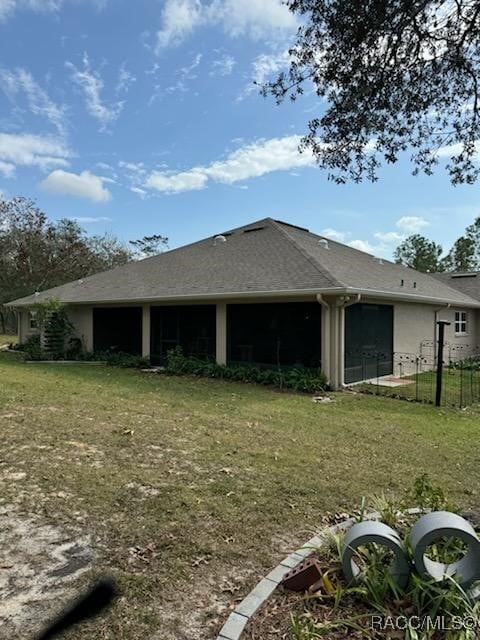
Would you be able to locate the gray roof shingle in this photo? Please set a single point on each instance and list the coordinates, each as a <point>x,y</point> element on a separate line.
<point>266,256</point>
<point>466,282</point>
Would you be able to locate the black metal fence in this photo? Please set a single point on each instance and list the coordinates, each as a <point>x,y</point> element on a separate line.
<point>413,376</point>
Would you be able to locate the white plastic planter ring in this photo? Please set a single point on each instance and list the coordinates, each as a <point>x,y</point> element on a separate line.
<point>368,532</point>
<point>442,524</point>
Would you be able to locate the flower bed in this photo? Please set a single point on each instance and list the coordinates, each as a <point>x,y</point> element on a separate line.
<point>374,607</point>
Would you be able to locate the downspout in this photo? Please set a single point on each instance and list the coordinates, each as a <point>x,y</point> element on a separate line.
<point>325,337</point>
<point>335,336</point>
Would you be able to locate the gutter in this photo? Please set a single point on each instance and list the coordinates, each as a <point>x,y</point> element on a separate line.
<point>407,297</point>
<point>290,293</point>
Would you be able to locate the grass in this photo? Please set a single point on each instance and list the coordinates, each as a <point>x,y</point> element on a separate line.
<point>215,481</point>
<point>460,388</point>
<point>5,338</point>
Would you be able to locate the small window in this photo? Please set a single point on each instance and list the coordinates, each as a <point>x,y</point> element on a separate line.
<point>32,320</point>
<point>460,323</point>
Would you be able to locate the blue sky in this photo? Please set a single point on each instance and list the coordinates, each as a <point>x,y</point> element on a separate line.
<point>142,117</point>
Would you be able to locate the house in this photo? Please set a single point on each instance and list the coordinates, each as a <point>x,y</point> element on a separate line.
<point>270,293</point>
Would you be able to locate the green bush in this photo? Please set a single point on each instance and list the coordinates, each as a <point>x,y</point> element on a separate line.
<point>52,318</point>
<point>120,359</point>
<point>298,379</point>
<point>472,363</point>
<point>31,348</point>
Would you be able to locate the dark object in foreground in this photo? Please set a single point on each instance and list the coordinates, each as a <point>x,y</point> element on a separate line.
<point>87,606</point>
<point>303,576</point>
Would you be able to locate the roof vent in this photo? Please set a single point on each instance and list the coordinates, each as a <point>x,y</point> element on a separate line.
<point>253,229</point>
<point>323,242</point>
<point>80,281</point>
<point>37,293</point>
<point>219,239</point>
<point>379,260</point>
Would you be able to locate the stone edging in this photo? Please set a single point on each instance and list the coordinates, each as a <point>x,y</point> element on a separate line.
<point>239,618</point>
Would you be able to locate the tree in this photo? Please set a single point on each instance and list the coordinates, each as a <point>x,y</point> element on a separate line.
<point>392,76</point>
<point>36,253</point>
<point>461,256</point>
<point>465,253</point>
<point>149,245</point>
<point>417,252</point>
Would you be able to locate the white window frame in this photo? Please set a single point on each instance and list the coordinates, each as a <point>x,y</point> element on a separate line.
<point>461,323</point>
<point>32,320</point>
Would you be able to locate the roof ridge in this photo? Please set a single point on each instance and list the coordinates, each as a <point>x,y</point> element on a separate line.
<point>320,268</point>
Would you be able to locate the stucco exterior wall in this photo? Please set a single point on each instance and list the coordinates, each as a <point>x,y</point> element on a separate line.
<point>413,324</point>
<point>24,329</point>
<point>414,328</point>
<point>461,346</point>
<point>415,334</point>
<point>82,319</point>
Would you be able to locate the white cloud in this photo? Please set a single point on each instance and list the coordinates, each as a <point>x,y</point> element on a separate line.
<point>185,75</point>
<point>264,67</point>
<point>267,65</point>
<point>83,185</point>
<point>31,150</point>
<point>255,19</point>
<point>250,161</point>
<point>223,66</point>
<point>412,224</point>
<point>362,245</point>
<point>7,169</point>
<point>92,85</point>
<point>89,220</point>
<point>451,150</point>
<point>125,79</point>
<point>333,234</point>
<point>8,7</point>
<point>389,236</point>
<point>20,80</point>
<point>140,192</point>
<point>179,19</point>
<point>176,183</point>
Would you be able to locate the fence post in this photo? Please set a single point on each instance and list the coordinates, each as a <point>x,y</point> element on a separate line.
<point>441,343</point>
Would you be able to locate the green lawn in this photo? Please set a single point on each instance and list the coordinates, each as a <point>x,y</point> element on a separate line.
<point>459,388</point>
<point>5,338</point>
<point>212,481</point>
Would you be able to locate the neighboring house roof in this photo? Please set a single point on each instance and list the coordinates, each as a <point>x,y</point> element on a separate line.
<point>266,257</point>
<point>467,282</point>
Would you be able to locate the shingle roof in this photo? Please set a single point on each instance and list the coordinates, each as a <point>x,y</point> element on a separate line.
<point>264,257</point>
<point>466,282</point>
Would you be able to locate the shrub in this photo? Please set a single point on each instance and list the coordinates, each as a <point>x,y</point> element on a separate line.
<point>56,327</point>
<point>31,348</point>
<point>120,359</point>
<point>298,379</point>
<point>472,363</point>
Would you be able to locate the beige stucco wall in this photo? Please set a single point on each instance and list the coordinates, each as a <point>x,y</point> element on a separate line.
<point>460,347</point>
<point>412,324</point>
<point>24,330</point>
<point>81,318</point>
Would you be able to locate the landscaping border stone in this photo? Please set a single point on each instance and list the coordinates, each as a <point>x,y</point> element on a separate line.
<point>240,617</point>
